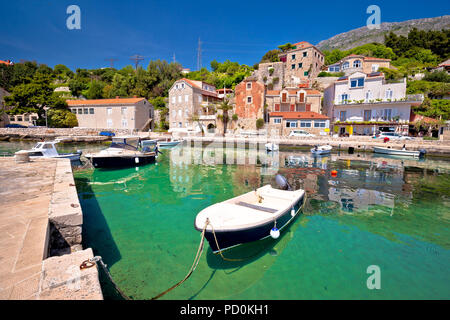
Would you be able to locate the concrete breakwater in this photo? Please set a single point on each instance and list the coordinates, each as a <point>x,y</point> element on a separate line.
<point>40,233</point>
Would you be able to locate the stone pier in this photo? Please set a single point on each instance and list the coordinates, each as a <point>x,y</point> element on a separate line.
<point>40,233</point>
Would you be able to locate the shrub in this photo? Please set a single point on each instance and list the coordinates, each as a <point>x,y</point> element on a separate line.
<point>259,123</point>
<point>62,118</point>
<point>234,117</point>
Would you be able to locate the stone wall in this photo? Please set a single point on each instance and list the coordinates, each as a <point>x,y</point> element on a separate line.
<point>263,72</point>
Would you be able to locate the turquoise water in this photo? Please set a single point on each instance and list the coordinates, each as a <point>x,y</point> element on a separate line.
<point>389,212</point>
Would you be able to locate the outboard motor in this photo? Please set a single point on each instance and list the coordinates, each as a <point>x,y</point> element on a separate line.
<point>422,153</point>
<point>282,182</point>
<point>79,152</point>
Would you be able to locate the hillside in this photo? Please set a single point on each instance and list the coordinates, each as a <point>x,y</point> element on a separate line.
<point>363,35</point>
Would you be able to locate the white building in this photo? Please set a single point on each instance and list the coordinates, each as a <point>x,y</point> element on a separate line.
<point>364,103</point>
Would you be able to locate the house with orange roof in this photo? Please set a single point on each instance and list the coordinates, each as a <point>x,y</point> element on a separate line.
<point>118,113</point>
<point>192,106</point>
<point>354,62</point>
<point>7,62</point>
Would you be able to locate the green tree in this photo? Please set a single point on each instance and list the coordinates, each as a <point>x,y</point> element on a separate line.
<point>61,118</point>
<point>225,107</point>
<point>271,56</point>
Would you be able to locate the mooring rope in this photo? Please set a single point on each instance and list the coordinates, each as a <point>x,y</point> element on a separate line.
<point>194,264</point>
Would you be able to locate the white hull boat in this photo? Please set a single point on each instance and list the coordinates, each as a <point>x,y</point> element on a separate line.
<point>400,152</point>
<point>253,216</point>
<point>321,150</point>
<point>168,143</point>
<point>47,149</point>
<point>270,146</point>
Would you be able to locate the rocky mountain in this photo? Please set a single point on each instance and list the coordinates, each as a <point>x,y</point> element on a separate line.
<point>363,35</point>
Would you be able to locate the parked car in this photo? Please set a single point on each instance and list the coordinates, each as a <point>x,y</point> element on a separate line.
<point>300,133</point>
<point>394,136</point>
<point>15,125</point>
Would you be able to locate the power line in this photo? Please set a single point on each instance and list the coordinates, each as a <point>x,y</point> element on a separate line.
<point>136,58</point>
<point>111,62</point>
<point>199,55</point>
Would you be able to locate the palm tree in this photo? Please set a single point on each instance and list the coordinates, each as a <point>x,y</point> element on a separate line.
<point>225,106</point>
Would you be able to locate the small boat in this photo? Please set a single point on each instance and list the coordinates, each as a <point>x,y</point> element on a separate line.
<point>168,143</point>
<point>270,146</point>
<point>125,151</point>
<point>318,150</point>
<point>403,152</point>
<point>253,216</point>
<point>47,149</point>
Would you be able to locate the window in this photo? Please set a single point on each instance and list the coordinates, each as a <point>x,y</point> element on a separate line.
<point>305,123</point>
<point>277,120</point>
<point>367,115</point>
<point>249,85</point>
<point>387,114</point>
<point>174,99</point>
<point>199,98</point>
<point>26,117</point>
<point>179,98</point>
<point>375,67</point>
<point>293,66</point>
<point>124,123</point>
<point>73,111</point>
<point>357,82</point>
<point>109,123</point>
<point>80,111</point>
<point>345,65</point>
<point>357,64</point>
<point>186,98</point>
<point>277,107</point>
<point>186,113</point>
<point>249,99</point>
<point>85,111</point>
<point>123,111</point>
<point>91,110</point>
<point>368,96</point>
<point>291,124</point>
<point>342,115</point>
<point>180,113</point>
<point>182,85</point>
<point>344,98</point>
<point>305,73</point>
<point>301,97</point>
<point>300,65</point>
<point>388,94</point>
<point>174,113</point>
<point>108,111</point>
<point>293,57</point>
<point>19,118</point>
<point>305,54</point>
<point>180,124</point>
<point>319,124</point>
<point>283,97</point>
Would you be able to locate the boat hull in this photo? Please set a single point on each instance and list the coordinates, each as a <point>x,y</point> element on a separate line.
<point>233,238</point>
<point>168,144</point>
<point>121,162</point>
<point>395,152</point>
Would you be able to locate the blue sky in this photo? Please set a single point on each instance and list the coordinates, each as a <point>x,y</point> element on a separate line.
<point>236,30</point>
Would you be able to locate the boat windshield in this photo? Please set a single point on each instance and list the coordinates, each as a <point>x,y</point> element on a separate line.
<point>125,143</point>
<point>148,145</point>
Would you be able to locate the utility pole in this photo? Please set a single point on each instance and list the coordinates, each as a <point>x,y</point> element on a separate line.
<point>199,55</point>
<point>136,58</point>
<point>174,60</point>
<point>111,62</point>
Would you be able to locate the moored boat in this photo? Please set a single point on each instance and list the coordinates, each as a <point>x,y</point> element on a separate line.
<point>168,143</point>
<point>403,152</point>
<point>47,149</point>
<point>270,146</point>
<point>317,150</point>
<point>125,151</point>
<point>249,217</point>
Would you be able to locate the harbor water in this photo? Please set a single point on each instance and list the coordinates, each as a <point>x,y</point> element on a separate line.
<point>392,213</point>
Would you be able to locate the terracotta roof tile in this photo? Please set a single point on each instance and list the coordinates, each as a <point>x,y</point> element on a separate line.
<point>103,101</point>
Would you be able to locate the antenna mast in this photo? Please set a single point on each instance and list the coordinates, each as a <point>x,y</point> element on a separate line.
<point>199,55</point>
<point>136,58</point>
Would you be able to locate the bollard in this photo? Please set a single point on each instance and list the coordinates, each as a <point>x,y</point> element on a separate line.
<point>22,156</point>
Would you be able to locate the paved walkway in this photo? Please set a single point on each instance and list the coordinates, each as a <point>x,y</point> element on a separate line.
<point>25,194</point>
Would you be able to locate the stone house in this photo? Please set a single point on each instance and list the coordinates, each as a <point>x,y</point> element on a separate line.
<point>293,100</point>
<point>303,62</point>
<point>192,104</point>
<point>359,63</point>
<point>271,74</point>
<point>249,105</point>
<point>365,103</point>
<point>119,113</point>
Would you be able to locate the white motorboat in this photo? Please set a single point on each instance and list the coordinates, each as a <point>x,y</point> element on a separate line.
<point>403,152</point>
<point>168,143</point>
<point>125,151</point>
<point>249,217</point>
<point>47,149</point>
<point>270,146</point>
<point>318,150</point>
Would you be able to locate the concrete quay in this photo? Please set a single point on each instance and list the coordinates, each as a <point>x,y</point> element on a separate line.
<point>40,233</point>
